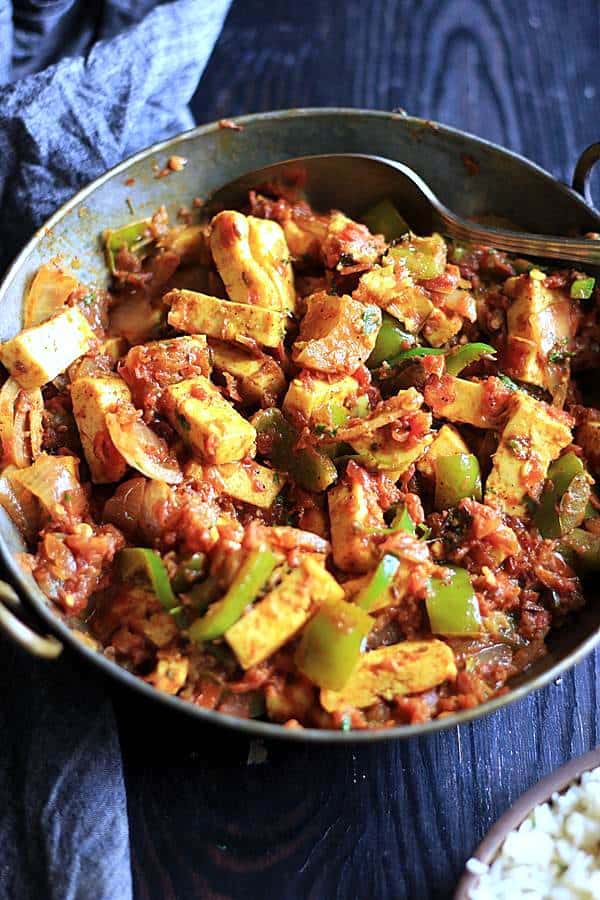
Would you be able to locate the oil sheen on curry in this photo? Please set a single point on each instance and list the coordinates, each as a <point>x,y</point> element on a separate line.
<point>296,467</point>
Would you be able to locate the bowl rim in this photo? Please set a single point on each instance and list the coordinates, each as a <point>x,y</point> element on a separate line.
<point>557,781</point>
<point>250,727</point>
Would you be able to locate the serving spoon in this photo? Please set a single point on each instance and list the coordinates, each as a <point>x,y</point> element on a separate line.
<point>353,182</point>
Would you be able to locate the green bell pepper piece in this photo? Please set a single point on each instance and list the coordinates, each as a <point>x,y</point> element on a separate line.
<point>384,218</point>
<point>134,236</point>
<point>391,340</point>
<point>452,606</point>
<point>403,522</point>
<point>552,516</point>
<point>461,357</point>
<point>381,580</point>
<point>456,477</point>
<point>252,576</point>
<point>424,257</point>
<point>139,562</point>
<point>583,288</point>
<point>188,572</point>
<point>331,644</point>
<point>581,550</point>
<point>310,469</point>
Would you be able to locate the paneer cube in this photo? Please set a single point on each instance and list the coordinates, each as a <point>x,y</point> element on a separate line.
<point>38,354</point>
<point>392,288</point>
<point>114,348</point>
<point>204,418</point>
<point>354,512</point>
<point>170,673</point>
<point>337,334</point>
<point>539,325</point>
<point>249,481</point>
<point>92,398</point>
<point>253,260</point>
<point>322,401</point>
<point>225,320</point>
<point>260,380</point>
<point>407,668</point>
<point>480,403</point>
<point>275,619</point>
<point>533,436</point>
<point>446,442</point>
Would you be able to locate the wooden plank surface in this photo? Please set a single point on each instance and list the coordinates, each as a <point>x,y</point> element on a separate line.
<point>211,815</point>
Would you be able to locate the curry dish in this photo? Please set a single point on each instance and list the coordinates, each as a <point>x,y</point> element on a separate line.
<point>297,467</point>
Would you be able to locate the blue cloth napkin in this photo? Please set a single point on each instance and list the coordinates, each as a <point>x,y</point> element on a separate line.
<point>126,70</point>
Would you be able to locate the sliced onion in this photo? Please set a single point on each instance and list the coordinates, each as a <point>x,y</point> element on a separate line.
<point>142,448</point>
<point>54,481</point>
<point>21,506</point>
<point>8,398</point>
<point>21,431</point>
<point>36,422</point>
<point>47,294</point>
<point>140,508</point>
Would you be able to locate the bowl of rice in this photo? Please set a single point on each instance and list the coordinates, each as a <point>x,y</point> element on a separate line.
<point>547,845</point>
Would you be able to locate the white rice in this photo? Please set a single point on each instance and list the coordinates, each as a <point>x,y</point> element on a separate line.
<point>553,855</point>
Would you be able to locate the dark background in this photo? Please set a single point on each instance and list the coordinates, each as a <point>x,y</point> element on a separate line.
<point>210,814</point>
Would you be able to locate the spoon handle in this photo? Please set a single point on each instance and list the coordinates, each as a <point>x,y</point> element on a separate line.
<point>577,250</point>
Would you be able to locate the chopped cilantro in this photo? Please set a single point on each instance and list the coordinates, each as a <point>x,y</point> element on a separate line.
<point>66,497</point>
<point>183,422</point>
<point>346,724</point>
<point>323,429</point>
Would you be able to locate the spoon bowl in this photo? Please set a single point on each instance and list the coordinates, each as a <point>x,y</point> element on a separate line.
<point>353,182</point>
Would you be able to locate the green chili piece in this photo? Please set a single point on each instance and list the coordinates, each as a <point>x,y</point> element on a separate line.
<point>391,340</point>
<point>456,477</point>
<point>452,606</point>
<point>188,572</point>
<point>139,562</point>
<point>252,576</point>
<point>415,353</point>
<point>381,580</point>
<point>583,288</point>
<point>331,644</point>
<point>459,359</point>
<point>383,218</point>
<point>554,517</point>
<point>310,469</point>
<point>134,236</point>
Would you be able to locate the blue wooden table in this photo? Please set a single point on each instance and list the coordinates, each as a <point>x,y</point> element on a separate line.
<point>212,815</point>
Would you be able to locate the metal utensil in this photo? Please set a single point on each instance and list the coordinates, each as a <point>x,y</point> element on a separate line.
<point>353,181</point>
<point>502,183</point>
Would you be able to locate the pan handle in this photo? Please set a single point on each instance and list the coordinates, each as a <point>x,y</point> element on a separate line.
<point>46,647</point>
<point>583,171</point>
